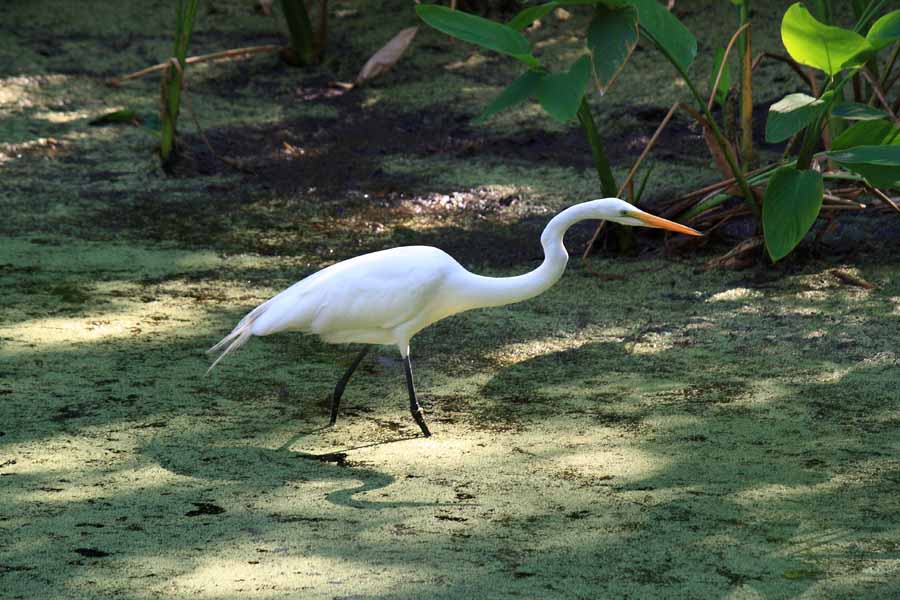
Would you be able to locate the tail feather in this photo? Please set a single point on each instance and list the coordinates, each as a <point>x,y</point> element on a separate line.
<point>239,336</point>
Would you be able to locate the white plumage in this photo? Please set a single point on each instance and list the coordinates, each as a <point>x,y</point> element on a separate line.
<point>387,297</point>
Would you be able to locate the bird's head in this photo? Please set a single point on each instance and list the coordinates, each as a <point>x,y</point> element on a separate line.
<point>619,211</point>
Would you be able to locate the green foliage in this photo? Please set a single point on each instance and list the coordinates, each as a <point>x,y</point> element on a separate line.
<point>477,30</point>
<point>885,30</point>
<point>724,80</point>
<point>300,29</point>
<point>795,193</point>
<point>792,113</point>
<point>869,148</point>
<point>879,164</point>
<point>791,205</point>
<point>855,111</point>
<point>530,15</point>
<point>827,48</point>
<point>526,86</point>
<point>174,75</point>
<point>126,115</point>
<point>611,37</point>
<point>666,32</point>
<point>560,94</point>
<point>867,133</point>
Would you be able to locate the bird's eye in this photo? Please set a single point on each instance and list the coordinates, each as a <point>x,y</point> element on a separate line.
<point>624,213</point>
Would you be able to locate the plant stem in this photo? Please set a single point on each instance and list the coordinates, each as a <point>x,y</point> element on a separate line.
<point>890,66</point>
<point>871,10</point>
<point>171,84</point>
<point>749,198</point>
<point>601,162</point>
<point>234,53</point>
<point>746,58</point>
<point>624,235</point>
<point>297,18</point>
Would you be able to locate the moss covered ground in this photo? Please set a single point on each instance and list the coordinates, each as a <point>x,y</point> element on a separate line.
<point>646,429</point>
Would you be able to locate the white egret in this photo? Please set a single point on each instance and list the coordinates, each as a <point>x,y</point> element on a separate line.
<point>387,297</point>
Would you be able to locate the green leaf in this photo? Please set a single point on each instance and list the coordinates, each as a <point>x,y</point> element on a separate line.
<point>119,116</point>
<point>855,111</point>
<point>474,29</point>
<point>524,87</point>
<point>724,81</point>
<point>880,165</point>
<point>790,208</point>
<point>611,37</point>
<point>885,30</point>
<point>867,133</point>
<point>792,113</point>
<point>667,31</point>
<point>528,16</point>
<point>826,48</point>
<point>560,93</point>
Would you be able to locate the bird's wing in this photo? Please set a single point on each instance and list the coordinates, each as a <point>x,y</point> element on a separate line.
<point>376,291</point>
<point>382,293</point>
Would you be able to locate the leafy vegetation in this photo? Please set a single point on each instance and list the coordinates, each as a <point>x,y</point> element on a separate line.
<point>173,77</point>
<point>794,187</point>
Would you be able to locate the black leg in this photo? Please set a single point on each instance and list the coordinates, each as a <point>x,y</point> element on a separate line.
<point>414,407</point>
<point>339,388</point>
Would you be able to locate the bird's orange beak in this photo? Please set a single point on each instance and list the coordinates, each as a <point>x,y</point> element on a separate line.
<point>660,223</point>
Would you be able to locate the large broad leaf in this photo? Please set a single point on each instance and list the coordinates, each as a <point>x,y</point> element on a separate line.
<point>885,30</point>
<point>611,37</point>
<point>528,16</point>
<point>790,208</point>
<point>855,111</point>
<point>474,29</point>
<point>880,165</point>
<point>560,93</point>
<point>827,48</point>
<point>791,114</point>
<point>724,80</point>
<point>666,31</point>
<point>867,133</point>
<point>515,93</point>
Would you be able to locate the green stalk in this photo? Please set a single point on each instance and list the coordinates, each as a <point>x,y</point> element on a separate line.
<point>810,137</point>
<point>624,235</point>
<point>890,67</point>
<point>749,198</point>
<point>746,61</point>
<point>300,29</point>
<point>718,199</point>
<point>173,77</point>
<point>601,162</point>
<point>870,11</point>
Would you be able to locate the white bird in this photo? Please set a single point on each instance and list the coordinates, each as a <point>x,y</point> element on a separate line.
<point>387,297</point>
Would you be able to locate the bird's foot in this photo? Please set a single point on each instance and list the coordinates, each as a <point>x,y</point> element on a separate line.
<point>419,416</point>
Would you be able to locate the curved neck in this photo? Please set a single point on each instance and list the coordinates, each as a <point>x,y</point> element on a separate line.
<point>497,291</point>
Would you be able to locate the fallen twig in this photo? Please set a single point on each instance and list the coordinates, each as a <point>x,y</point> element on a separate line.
<point>199,59</point>
<point>735,257</point>
<point>885,198</point>
<point>851,279</point>
<point>843,201</point>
